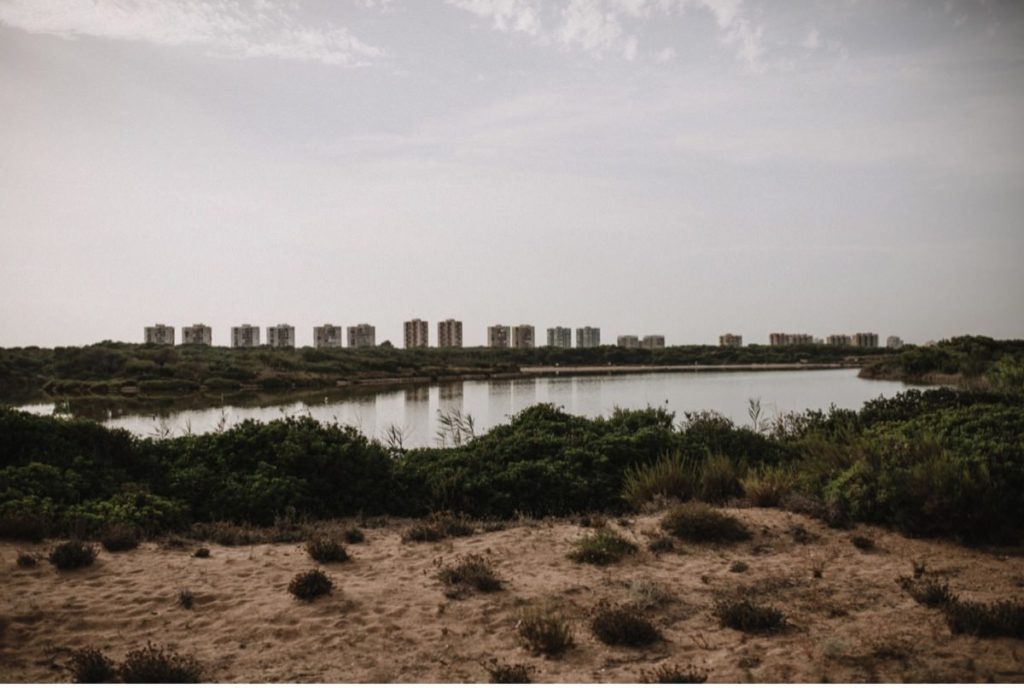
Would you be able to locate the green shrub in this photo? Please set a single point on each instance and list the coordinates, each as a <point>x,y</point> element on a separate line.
<point>670,476</point>
<point>310,584</point>
<point>622,626</point>
<point>72,555</point>
<point>27,518</point>
<point>698,522</point>
<point>673,673</point>
<point>201,553</point>
<point>326,551</point>
<point>719,480</point>
<point>749,617</point>
<point>601,547</point>
<point>768,485</point>
<point>927,591</point>
<point>471,572</point>
<point>153,664</point>
<point>544,631</point>
<point>89,665</point>
<point>1004,618</point>
<point>499,672</point>
<point>119,537</point>
<point>26,561</point>
<point>354,536</point>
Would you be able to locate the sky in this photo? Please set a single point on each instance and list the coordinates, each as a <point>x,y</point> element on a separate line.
<point>675,167</point>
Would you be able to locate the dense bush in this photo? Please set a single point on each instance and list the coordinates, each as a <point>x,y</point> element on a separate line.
<point>674,673</point>
<point>310,584</point>
<point>326,551</point>
<point>89,665</point>
<point>544,631</point>
<point>72,555</point>
<point>119,537</point>
<point>471,572</point>
<point>622,626</point>
<point>698,522</point>
<point>768,485</point>
<point>927,591</point>
<point>603,546</point>
<point>670,476</point>
<point>1004,618</point>
<point>154,664</point>
<point>746,615</point>
<point>499,672</point>
<point>26,561</point>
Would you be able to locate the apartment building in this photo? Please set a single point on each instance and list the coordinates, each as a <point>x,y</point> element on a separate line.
<point>628,341</point>
<point>327,336</point>
<point>449,334</point>
<point>281,336</point>
<point>499,336</point>
<point>362,335</point>
<point>560,337</point>
<point>197,334</point>
<point>730,340</point>
<point>839,340</point>
<point>893,342</point>
<point>781,339</point>
<point>416,334</point>
<point>159,334</point>
<point>588,337</point>
<point>865,340</point>
<point>243,336</point>
<point>523,337</point>
<point>653,341</point>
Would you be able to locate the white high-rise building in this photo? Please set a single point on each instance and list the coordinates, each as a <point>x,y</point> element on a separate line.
<point>159,334</point>
<point>865,340</point>
<point>560,337</point>
<point>449,334</point>
<point>588,337</point>
<point>416,334</point>
<point>628,341</point>
<point>893,342</point>
<point>244,336</point>
<point>523,337</point>
<point>197,334</point>
<point>327,336</point>
<point>652,341</point>
<point>361,336</point>
<point>499,336</point>
<point>730,340</point>
<point>281,336</point>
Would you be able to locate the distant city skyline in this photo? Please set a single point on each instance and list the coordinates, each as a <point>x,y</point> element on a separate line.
<point>681,167</point>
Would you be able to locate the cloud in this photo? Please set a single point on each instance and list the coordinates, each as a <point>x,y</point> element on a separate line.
<point>506,15</point>
<point>590,26</point>
<point>229,28</point>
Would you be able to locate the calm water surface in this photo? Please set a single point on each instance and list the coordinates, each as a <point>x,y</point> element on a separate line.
<point>415,410</point>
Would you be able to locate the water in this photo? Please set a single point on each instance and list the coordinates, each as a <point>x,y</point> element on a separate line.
<point>414,410</point>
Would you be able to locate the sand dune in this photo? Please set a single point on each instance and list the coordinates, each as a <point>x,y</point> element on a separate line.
<point>389,619</point>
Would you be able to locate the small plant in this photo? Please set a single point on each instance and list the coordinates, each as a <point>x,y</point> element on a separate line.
<point>647,594</point>
<point>326,551</point>
<point>310,585</point>
<point>670,476</point>
<point>749,617</point>
<point>544,631</point>
<point>674,673</point>
<point>928,591</point>
<point>863,543</point>
<point>472,572</point>
<point>603,546</point>
<point>153,664</point>
<point>1004,618</point>
<point>73,554</point>
<point>622,626</point>
<point>201,553</point>
<point>919,568</point>
<point>439,526</point>
<point>592,521</point>
<point>26,561</point>
<point>354,536</point>
<point>719,480</point>
<point>818,568</point>
<point>119,537</point>
<point>661,544</point>
<point>801,535</point>
<point>186,598</point>
<point>698,522</point>
<point>768,485</point>
<point>508,673</point>
<point>89,665</point>
<point>739,567</point>
<point>423,532</point>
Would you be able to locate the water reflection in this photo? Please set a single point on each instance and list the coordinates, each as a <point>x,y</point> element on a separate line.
<point>414,410</point>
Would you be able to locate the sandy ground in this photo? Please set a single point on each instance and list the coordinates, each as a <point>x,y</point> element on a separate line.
<point>389,620</point>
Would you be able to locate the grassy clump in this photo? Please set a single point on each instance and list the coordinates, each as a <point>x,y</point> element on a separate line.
<point>647,594</point>
<point>201,553</point>
<point>26,561</point>
<point>661,544</point>
<point>153,664</point>
<point>592,521</point>
<point>863,543</point>
<point>927,591</point>
<point>73,554</point>
<point>89,665</point>
<point>499,672</point>
<point>310,584</point>
<point>545,632</point>
<point>719,480</point>
<point>1004,618</point>
<point>354,536</point>
<point>119,537</point>
<point>670,476</point>
<point>739,567</point>
<point>603,546</point>
<point>622,626</point>
<point>439,526</point>
<point>674,673</point>
<point>749,617</point>
<point>767,486</point>
<point>326,551</point>
<point>698,522</point>
<point>472,572</point>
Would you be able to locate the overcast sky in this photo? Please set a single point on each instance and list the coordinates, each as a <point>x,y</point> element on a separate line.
<point>682,167</point>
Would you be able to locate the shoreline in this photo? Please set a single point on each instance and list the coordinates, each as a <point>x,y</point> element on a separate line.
<point>554,371</point>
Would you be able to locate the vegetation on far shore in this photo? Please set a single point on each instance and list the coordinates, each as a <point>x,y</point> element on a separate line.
<point>941,462</point>
<point>975,362</point>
